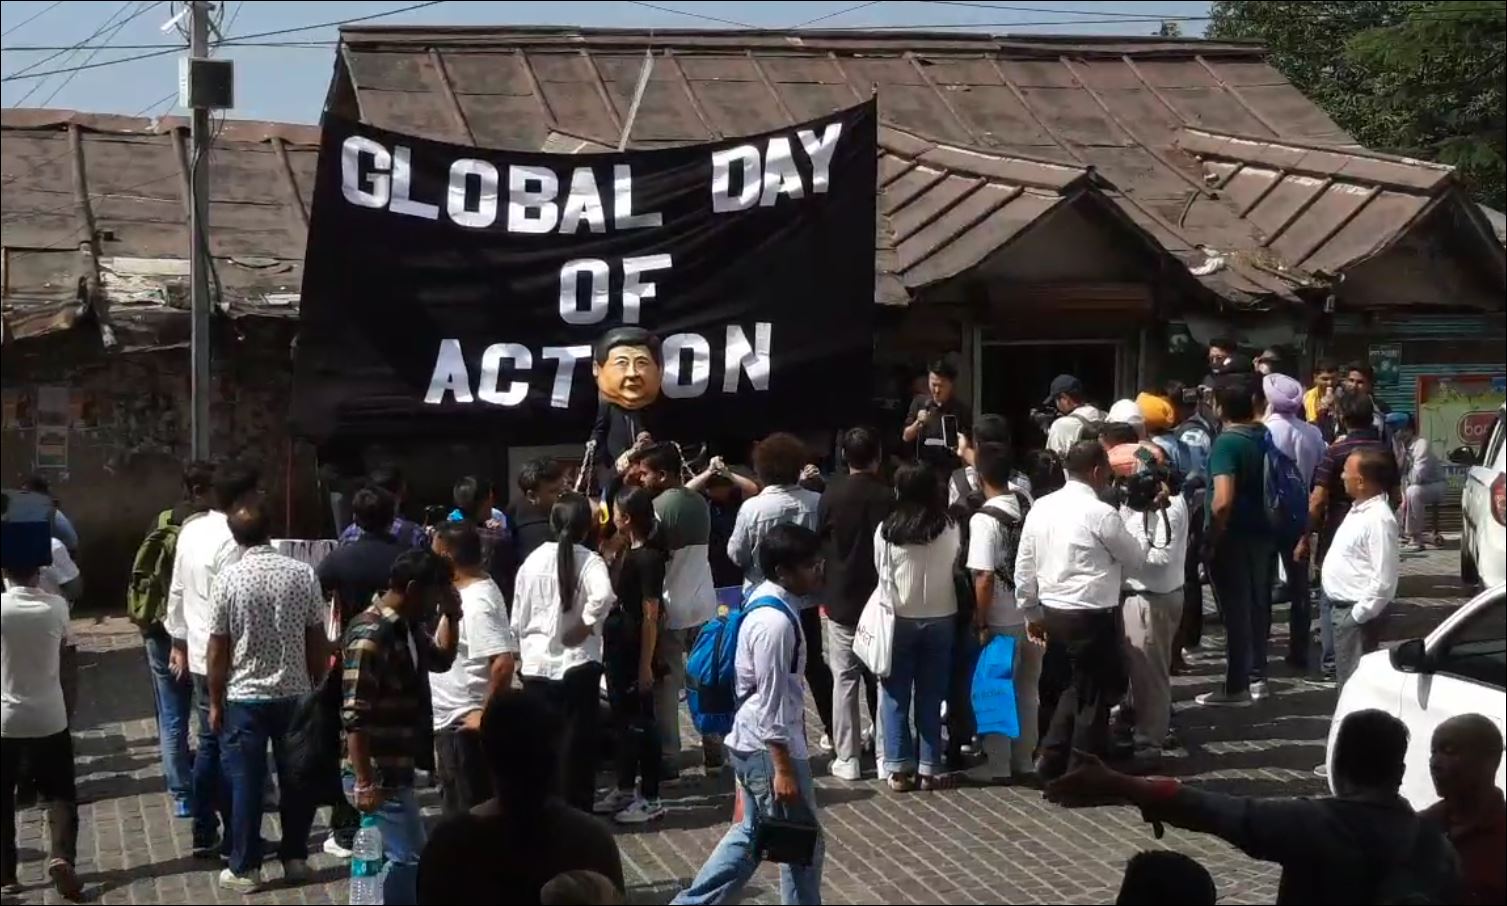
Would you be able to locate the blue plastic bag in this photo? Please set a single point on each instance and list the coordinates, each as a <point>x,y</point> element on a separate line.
<point>994,707</point>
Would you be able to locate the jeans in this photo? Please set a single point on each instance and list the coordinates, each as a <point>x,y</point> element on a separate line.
<point>465,781</point>
<point>249,726</point>
<point>578,696</point>
<point>1352,640</point>
<point>921,663</point>
<point>733,862</point>
<point>637,750</point>
<point>1008,756</point>
<point>1242,571</point>
<point>211,786</point>
<point>403,838</point>
<point>174,700</point>
<point>848,672</point>
<point>1080,721</point>
<point>1300,614</point>
<point>47,762</point>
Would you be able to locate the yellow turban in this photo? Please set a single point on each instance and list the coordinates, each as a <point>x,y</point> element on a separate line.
<point>1156,410</point>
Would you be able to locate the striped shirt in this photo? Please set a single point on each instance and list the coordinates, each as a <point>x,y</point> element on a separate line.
<point>386,693</point>
<point>1332,466</point>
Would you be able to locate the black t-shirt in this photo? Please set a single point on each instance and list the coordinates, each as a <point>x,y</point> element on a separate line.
<point>356,571</point>
<point>639,577</point>
<point>530,526</point>
<point>484,856</point>
<point>846,518</point>
<point>725,573</point>
<point>938,442</point>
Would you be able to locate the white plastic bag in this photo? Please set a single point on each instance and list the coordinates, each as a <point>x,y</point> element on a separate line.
<point>874,637</point>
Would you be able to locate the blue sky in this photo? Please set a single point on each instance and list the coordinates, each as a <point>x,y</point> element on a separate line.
<point>289,82</point>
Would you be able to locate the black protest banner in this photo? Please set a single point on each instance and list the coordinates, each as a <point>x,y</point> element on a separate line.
<point>461,291</point>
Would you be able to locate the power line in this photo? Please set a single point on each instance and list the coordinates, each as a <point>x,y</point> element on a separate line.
<point>162,51</point>
<point>1061,12</point>
<point>94,53</point>
<point>75,47</point>
<point>682,12</point>
<point>841,12</point>
<point>31,18</point>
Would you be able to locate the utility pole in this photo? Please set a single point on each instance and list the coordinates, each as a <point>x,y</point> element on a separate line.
<point>198,242</point>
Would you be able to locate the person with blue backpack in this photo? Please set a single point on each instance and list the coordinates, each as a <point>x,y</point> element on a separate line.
<point>766,740</point>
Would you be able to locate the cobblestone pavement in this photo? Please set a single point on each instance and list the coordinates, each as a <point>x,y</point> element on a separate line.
<point>968,845</point>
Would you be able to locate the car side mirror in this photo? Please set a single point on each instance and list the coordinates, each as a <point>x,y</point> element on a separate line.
<point>1462,456</point>
<point>1410,657</point>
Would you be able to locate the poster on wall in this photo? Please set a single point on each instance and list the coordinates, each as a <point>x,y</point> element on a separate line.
<point>1386,362</point>
<point>1457,411</point>
<point>710,290</point>
<point>53,420</point>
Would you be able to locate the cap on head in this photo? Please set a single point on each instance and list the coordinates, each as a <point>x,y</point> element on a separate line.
<point>1064,383</point>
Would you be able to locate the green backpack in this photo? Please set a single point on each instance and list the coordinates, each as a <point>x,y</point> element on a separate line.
<point>152,572</point>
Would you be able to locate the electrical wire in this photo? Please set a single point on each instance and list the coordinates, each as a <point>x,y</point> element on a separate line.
<point>682,12</point>
<point>94,53</point>
<point>31,18</point>
<point>841,12</point>
<point>74,48</point>
<point>1042,11</point>
<point>23,74</point>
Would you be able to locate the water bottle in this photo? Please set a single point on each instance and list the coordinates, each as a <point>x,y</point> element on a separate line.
<point>366,864</point>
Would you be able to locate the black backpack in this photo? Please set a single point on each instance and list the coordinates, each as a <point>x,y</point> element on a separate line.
<point>963,512</point>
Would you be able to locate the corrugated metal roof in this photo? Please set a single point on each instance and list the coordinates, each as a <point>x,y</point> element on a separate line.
<point>1321,209</point>
<point>1116,105</point>
<point>99,203</point>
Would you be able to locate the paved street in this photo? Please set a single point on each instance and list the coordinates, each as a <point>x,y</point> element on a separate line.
<point>961,846</point>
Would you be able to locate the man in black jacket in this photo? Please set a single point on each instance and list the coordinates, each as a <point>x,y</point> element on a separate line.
<point>540,481</point>
<point>846,519</point>
<point>1363,845</point>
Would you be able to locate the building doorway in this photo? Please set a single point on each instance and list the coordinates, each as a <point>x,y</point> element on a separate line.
<point>1015,376</point>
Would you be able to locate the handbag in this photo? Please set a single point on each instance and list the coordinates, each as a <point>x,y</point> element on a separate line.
<point>874,637</point>
<point>787,841</point>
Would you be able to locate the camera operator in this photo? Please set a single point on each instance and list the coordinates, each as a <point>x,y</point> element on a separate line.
<point>1155,513</point>
<point>1074,415</point>
<point>937,418</point>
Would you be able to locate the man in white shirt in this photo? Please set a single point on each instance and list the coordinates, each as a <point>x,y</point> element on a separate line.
<point>1153,609</point>
<point>1359,572</point>
<point>35,744</point>
<point>267,645</point>
<point>205,547</point>
<point>1077,415</point>
<point>767,745</point>
<point>486,656</point>
<point>1073,551</point>
<point>993,540</point>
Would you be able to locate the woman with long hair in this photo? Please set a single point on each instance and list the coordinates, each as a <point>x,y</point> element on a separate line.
<point>560,602</point>
<point>638,578</point>
<point>915,549</point>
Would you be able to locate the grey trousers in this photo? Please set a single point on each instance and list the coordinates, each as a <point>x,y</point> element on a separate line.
<point>1352,640</point>
<point>847,680</point>
<point>1006,756</point>
<point>1150,623</point>
<point>671,646</point>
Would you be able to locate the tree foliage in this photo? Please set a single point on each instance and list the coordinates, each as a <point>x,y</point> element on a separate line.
<point>1424,79</point>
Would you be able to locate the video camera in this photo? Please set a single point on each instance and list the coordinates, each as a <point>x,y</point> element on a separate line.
<point>1140,489</point>
<point>1042,417</point>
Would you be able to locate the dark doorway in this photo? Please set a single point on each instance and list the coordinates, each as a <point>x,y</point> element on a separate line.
<point>1015,377</point>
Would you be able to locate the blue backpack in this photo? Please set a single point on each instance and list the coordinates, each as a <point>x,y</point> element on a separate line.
<point>711,668</point>
<point>1285,494</point>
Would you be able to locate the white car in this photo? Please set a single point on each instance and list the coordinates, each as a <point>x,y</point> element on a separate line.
<point>1483,508</point>
<point>1460,668</point>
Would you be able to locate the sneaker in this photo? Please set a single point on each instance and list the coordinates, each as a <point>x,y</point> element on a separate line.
<point>296,871</point>
<point>332,847</point>
<point>1415,547</point>
<point>613,801</point>
<point>1321,771</point>
<point>825,744</point>
<point>1259,690</point>
<point>182,808</point>
<point>847,769</point>
<point>65,880</point>
<point>241,883</point>
<point>1224,699</point>
<point>640,811</point>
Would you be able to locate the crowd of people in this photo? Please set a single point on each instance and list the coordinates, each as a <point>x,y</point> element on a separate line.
<point>481,646</point>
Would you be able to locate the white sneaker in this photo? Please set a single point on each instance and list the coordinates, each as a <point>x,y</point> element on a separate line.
<point>868,741</point>
<point>640,811</point>
<point>332,847</point>
<point>1224,699</point>
<point>613,801</point>
<point>296,871</point>
<point>241,883</point>
<point>825,744</point>
<point>1259,690</point>
<point>847,769</point>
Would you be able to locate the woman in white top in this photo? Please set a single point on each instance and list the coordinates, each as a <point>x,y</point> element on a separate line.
<point>915,549</point>
<point>560,600</point>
